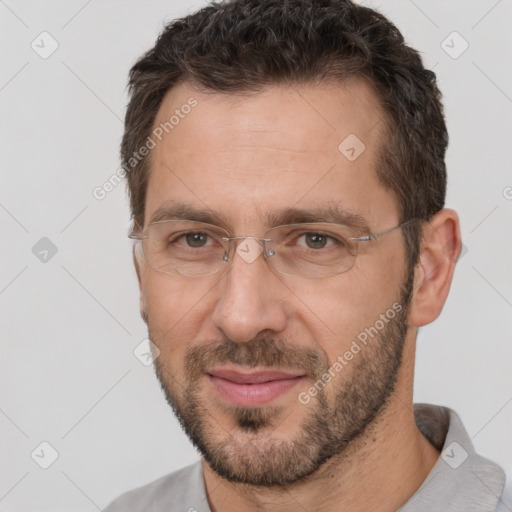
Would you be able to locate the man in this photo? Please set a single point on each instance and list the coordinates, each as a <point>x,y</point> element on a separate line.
<point>285,162</point>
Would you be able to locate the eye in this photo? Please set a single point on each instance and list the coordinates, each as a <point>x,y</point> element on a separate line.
<point>316,240</point>
<point>194,239</point>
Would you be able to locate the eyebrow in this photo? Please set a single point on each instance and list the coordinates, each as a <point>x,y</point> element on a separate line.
<point>331,213</point>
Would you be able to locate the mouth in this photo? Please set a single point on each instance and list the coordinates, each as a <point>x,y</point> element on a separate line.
<point>252,388</point>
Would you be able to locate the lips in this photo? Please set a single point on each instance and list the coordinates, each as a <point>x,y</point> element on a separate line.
<point>254,388</point>
<point>252,378</point>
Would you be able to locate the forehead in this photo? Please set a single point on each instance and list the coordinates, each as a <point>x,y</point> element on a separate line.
<point>284,146</point>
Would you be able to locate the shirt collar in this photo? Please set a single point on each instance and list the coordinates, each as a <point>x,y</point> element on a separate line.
<point>461,479</point>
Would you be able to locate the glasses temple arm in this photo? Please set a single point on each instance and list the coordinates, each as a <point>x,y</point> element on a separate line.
<point>382,233</point>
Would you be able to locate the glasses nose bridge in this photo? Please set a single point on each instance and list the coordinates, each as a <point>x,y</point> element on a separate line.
<point>232,244</point>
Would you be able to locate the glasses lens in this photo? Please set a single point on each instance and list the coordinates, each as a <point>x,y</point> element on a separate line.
<point>185,248</point>
<point>311,250</point>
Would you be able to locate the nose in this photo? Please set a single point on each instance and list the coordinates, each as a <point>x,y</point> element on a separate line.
<point>250,296</point>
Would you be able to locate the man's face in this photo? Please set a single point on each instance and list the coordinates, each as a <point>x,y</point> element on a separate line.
<point>220,335</point>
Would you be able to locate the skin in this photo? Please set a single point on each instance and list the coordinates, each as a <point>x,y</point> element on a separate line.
<point>241,156</point>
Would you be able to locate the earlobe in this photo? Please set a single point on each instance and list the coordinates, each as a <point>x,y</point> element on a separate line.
<point>440,250</point>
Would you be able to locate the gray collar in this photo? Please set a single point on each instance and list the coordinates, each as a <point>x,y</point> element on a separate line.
<point>461,479</point>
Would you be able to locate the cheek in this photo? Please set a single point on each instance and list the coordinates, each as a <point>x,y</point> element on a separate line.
<point>335,315</point>
<point>339,308</point>
<point>176,309</point>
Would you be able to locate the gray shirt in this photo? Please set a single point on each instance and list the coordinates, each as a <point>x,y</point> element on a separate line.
<point>461,480</point>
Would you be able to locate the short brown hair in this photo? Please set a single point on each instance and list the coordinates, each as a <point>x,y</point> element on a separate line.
<point>245,45</point>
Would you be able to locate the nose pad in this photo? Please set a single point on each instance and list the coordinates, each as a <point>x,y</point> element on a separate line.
<point>248,248</point>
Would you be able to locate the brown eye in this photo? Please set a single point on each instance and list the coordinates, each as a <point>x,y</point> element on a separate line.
<point>316,240</point>
<point>196,239</point>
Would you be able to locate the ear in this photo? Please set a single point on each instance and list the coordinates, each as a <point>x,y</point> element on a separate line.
<point>440,249</point>
<point>142,306</point>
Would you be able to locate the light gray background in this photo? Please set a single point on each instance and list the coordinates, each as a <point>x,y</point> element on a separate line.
<point>68,375</point>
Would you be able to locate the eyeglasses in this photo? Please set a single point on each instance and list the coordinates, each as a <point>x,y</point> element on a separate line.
<point>193,249</point>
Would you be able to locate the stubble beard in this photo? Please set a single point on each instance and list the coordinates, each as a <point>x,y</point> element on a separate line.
<point>250,453</point>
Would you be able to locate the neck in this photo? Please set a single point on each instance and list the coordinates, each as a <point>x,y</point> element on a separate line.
<point>378,471</point>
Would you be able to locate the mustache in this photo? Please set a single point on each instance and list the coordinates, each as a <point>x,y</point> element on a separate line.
<point>261,351</point>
